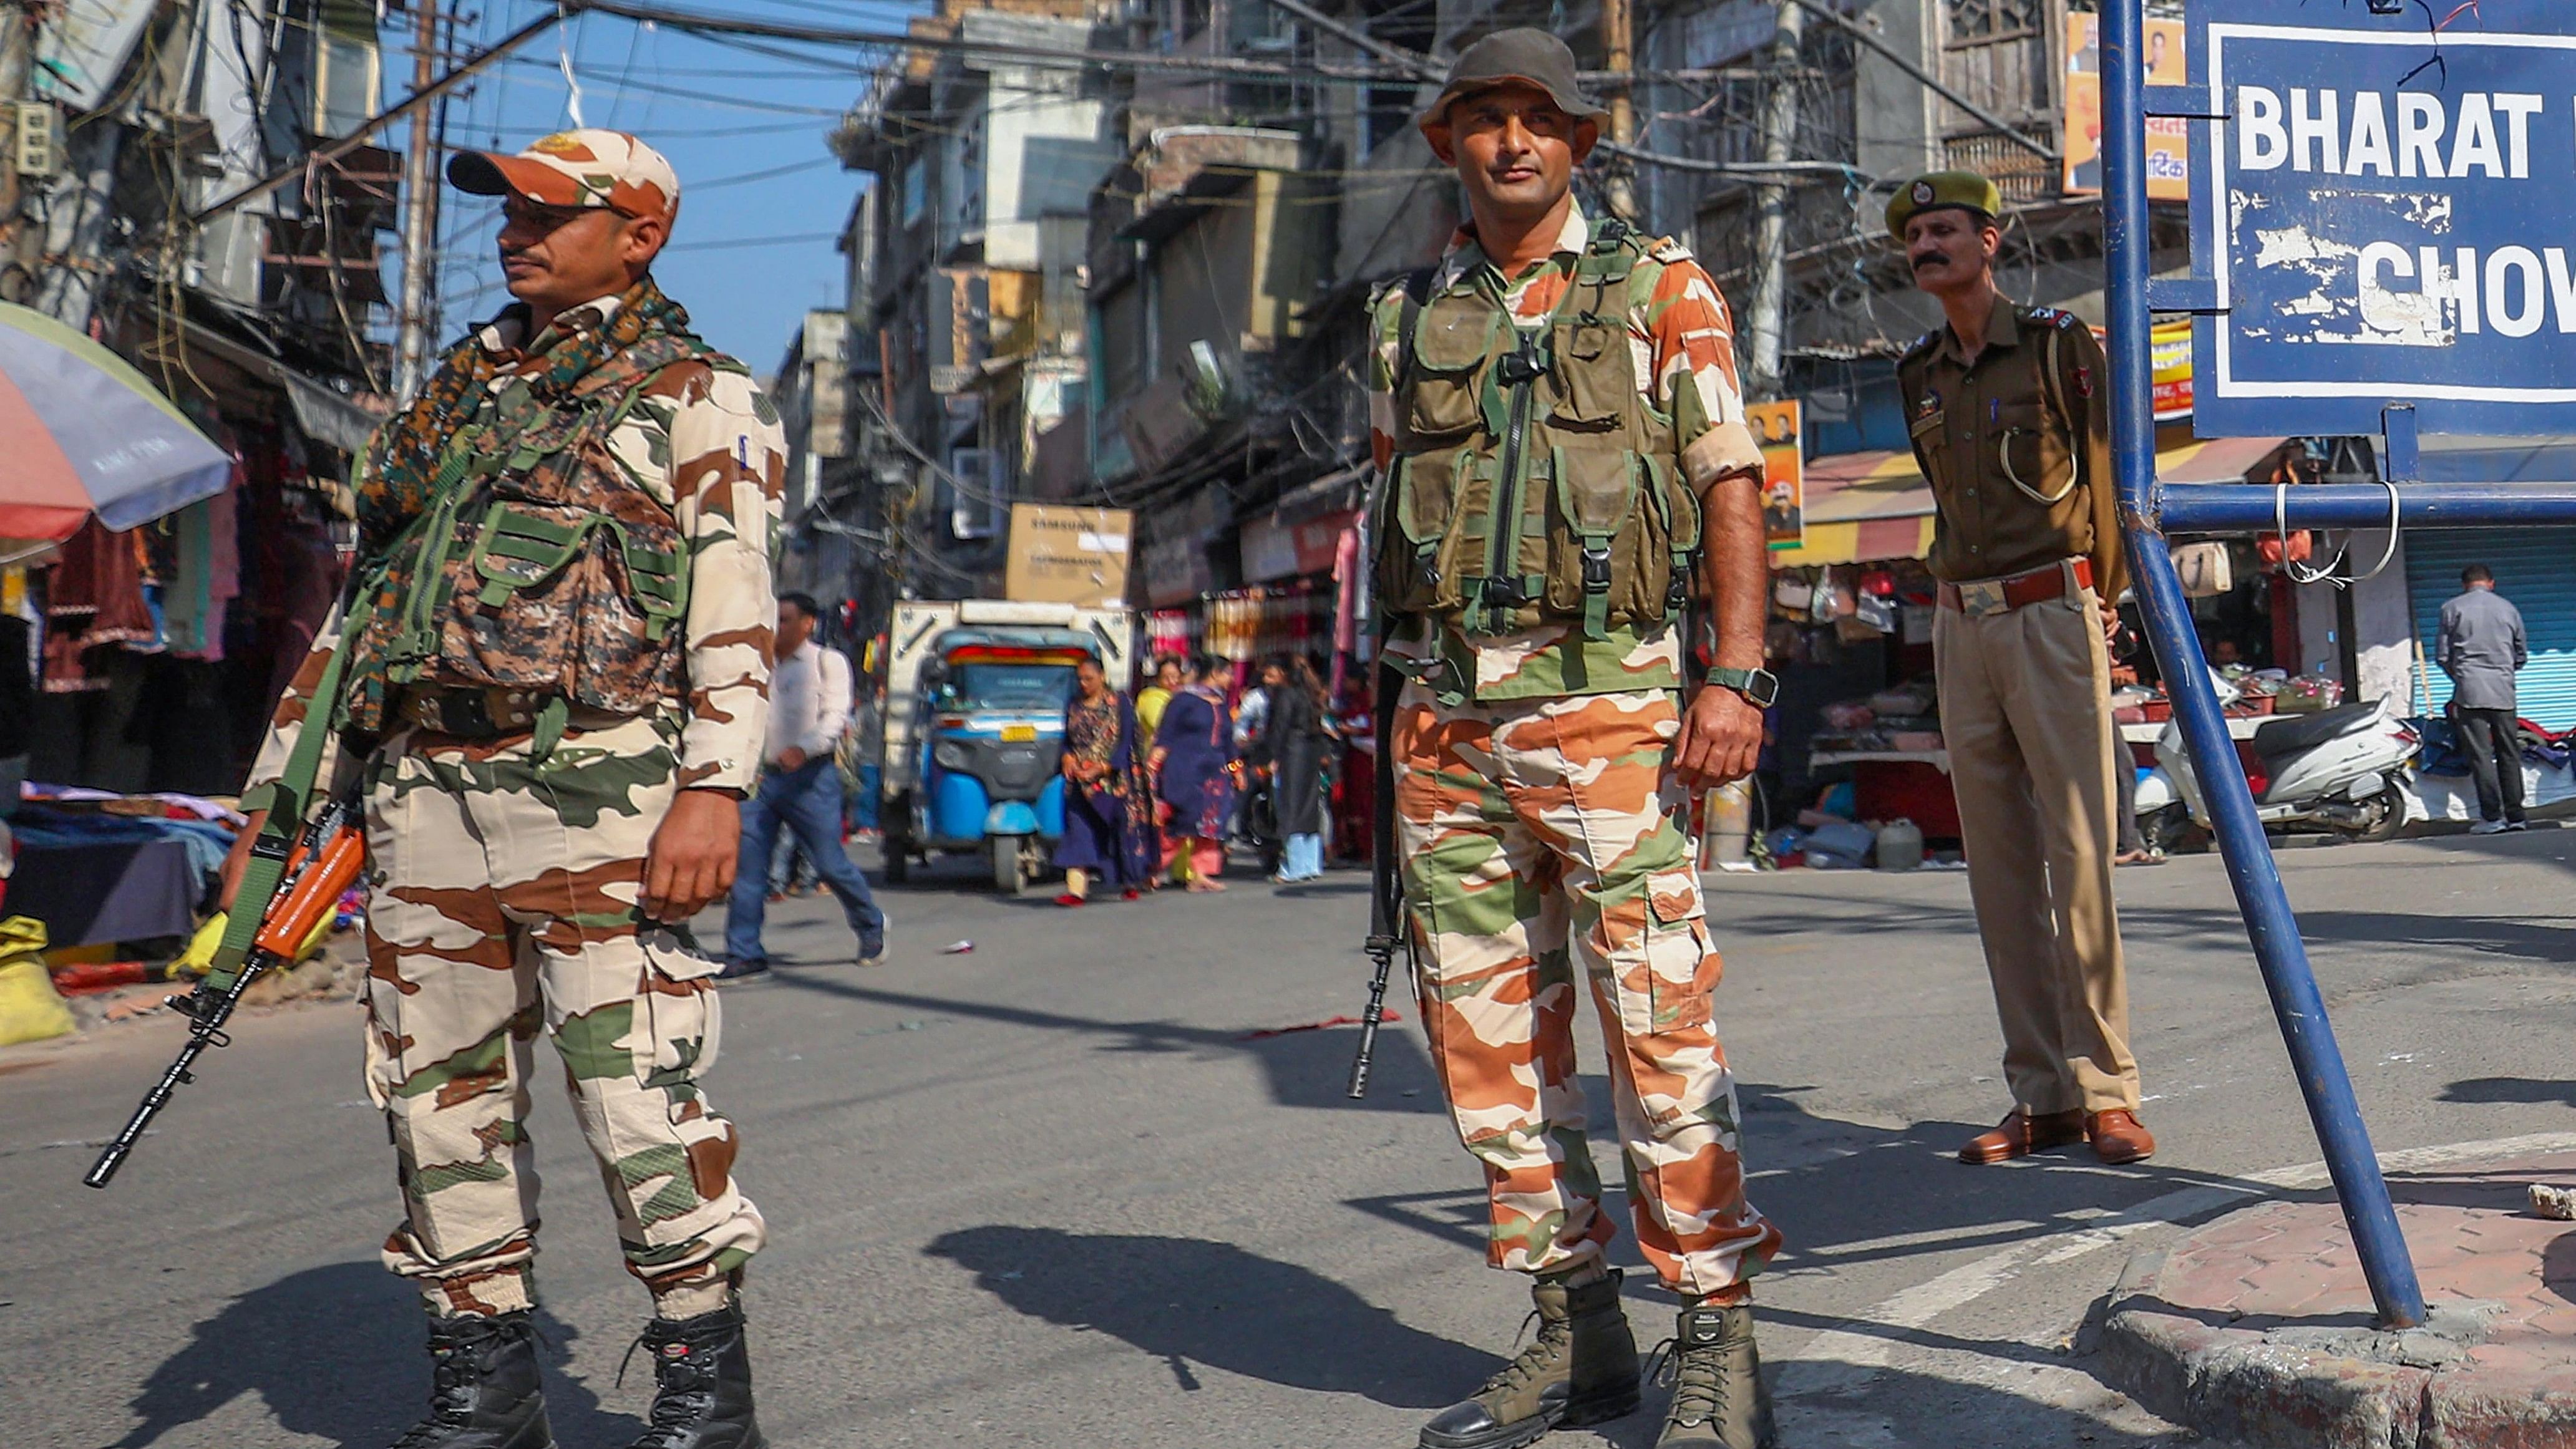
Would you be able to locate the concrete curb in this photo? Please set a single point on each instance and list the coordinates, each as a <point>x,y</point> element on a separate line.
<point>2250,1384</point>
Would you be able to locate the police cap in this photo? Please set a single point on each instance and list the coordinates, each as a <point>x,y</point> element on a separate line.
<point>1966,190</point>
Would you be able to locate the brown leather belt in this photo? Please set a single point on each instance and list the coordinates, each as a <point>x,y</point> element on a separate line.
<point>471,712</point>
<point>2015,591</point>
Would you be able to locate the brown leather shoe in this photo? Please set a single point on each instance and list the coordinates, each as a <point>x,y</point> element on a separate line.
<point>2118,1136</point>
<point>2020,1134</point>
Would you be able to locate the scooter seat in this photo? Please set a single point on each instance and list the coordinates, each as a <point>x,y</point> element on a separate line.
<point>2290,735</point>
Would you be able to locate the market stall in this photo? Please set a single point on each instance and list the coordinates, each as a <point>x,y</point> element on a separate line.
<point>1850,637</point>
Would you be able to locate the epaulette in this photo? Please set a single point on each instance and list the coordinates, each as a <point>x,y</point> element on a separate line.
<point>1668,250</point>
<point>1923,344</point>
<point>2051,317</point>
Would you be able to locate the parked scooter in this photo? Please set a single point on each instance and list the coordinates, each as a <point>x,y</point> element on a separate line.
<point>2163,819</point>
<point>2345,770</point>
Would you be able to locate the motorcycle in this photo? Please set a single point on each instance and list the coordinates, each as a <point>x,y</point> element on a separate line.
<point>2345,770</point>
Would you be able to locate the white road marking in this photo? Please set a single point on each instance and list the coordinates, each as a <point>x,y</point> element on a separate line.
<point>1840,1360</point>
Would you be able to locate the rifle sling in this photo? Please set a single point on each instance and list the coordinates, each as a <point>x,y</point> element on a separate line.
<point>289,799</point>
<point>1386,894</point>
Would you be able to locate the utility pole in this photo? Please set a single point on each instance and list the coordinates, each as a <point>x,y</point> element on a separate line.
<point>17,74</point>
<point>420,213</point>
<point>1619,57</point>
<point>1766,319</point>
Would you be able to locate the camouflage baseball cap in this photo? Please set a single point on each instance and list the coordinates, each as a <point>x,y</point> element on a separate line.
<point>1965,190</point>
<point>1521,54</point>
<point>576,168</point>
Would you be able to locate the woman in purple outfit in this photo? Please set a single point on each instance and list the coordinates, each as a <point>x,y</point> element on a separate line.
<point>1193,766</point>
<point>1107,816</point>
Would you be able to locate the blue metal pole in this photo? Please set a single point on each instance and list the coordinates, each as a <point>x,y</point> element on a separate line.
<point>2278,949</point>
<point>2248,507</point>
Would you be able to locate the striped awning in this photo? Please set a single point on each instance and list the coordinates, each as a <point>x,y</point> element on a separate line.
<point>1876,505</point>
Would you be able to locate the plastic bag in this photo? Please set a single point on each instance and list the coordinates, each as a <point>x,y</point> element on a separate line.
<point>30,1008</point>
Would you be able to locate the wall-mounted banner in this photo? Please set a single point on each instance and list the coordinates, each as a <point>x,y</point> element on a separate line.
<point>2168,141</point>
<point>1779,427</point>
<point>2385,214</point>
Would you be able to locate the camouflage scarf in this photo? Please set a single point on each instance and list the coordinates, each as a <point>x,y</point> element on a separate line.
<point>396,479</point>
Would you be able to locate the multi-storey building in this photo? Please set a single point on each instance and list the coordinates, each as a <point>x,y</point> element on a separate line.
<point>983,144</point>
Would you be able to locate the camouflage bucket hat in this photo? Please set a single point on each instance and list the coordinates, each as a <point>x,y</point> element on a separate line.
<point>1522,54</point>
<point>576,168</point>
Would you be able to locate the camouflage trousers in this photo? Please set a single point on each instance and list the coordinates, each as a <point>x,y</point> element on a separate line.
<point>1537,836</point>
<point>502,903</point>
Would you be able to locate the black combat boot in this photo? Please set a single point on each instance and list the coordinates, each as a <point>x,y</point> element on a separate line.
<point>484,1390</point>
<point>1719,1401</point>
<point>702,1378</point>
<point>1580,1369</point>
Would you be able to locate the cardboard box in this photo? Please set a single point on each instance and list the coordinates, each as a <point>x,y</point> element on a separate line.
<point>1064,555</point>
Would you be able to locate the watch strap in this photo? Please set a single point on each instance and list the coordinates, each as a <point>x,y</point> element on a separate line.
<point>1760,686</point>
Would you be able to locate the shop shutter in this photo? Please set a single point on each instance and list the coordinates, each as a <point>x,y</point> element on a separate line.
<point>2536,569</point>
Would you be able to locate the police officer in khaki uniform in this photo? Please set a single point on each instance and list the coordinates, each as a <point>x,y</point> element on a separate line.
<point>2006,406</point>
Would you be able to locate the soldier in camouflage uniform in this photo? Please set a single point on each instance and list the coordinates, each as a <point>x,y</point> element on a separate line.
<point>555,696</point>
<point>1555,412</point>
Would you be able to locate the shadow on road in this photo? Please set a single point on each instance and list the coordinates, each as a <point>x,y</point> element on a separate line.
<point>1305,1068</point>
<point>336,1352</point>
<point>1189,1301</point>
<point>2519,1091</point>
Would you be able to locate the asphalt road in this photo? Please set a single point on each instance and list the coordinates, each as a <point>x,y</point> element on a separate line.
<point>1053,1191</point>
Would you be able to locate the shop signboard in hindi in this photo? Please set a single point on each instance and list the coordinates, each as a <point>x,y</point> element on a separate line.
<point>1779,429</point>
<point>2169,359</point>
<point>2168,141</point>
<point>2383,219</point>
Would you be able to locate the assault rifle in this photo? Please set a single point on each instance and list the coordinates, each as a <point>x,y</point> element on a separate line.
<point>323,863</point>
<point>1387,931</point>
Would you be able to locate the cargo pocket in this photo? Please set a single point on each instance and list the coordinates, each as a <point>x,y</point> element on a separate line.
<point>679,1020</point>
<point>1681,965</point>
<point>1421,494</point>
<point>1452,345</point>
<point>1595,376</point>
<point>1596,573</point>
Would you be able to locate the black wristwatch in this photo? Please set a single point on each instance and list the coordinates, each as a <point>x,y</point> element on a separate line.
<point>1758,686</point>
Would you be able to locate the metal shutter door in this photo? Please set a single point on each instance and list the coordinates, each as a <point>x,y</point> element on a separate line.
<point>2536,569</point>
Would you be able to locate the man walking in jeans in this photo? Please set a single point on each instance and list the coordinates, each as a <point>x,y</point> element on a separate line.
<point>2481,645</point>
<point>809,702</point>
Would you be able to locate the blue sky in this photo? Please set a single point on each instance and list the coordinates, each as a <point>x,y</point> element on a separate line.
<point>752,252</point>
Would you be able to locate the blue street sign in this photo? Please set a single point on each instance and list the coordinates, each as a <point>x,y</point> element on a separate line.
<point>2385,214</point>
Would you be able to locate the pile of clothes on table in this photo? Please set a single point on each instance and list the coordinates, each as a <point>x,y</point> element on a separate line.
<point>96,866</point>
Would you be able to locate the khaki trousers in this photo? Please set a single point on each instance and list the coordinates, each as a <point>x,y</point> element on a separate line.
<point>2025,712</point>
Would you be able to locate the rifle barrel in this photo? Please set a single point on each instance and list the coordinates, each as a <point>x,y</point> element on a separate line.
<point>103,1171</point>
<point>1373,1014</point>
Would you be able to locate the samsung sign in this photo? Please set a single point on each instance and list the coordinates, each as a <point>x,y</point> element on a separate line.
<point>2387,214</point>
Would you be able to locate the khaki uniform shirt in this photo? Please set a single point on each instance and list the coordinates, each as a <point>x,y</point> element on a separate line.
<point>1978,426</point>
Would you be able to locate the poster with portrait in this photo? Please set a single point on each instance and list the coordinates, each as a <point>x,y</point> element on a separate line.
<point>2168,141</point>
<point>1778,428</point>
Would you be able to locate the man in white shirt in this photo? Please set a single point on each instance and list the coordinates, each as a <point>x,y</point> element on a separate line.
<point>809,703</point>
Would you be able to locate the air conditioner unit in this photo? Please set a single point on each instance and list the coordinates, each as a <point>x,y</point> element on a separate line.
<point>975,509</point>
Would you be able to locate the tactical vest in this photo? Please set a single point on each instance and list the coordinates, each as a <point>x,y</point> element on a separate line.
<point>1531,482</point>
<point>543,567</point>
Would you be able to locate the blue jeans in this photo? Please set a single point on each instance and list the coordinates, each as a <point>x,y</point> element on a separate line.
<point>863,801</point>
<point>1303,859</point>
<point>806,800</point>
